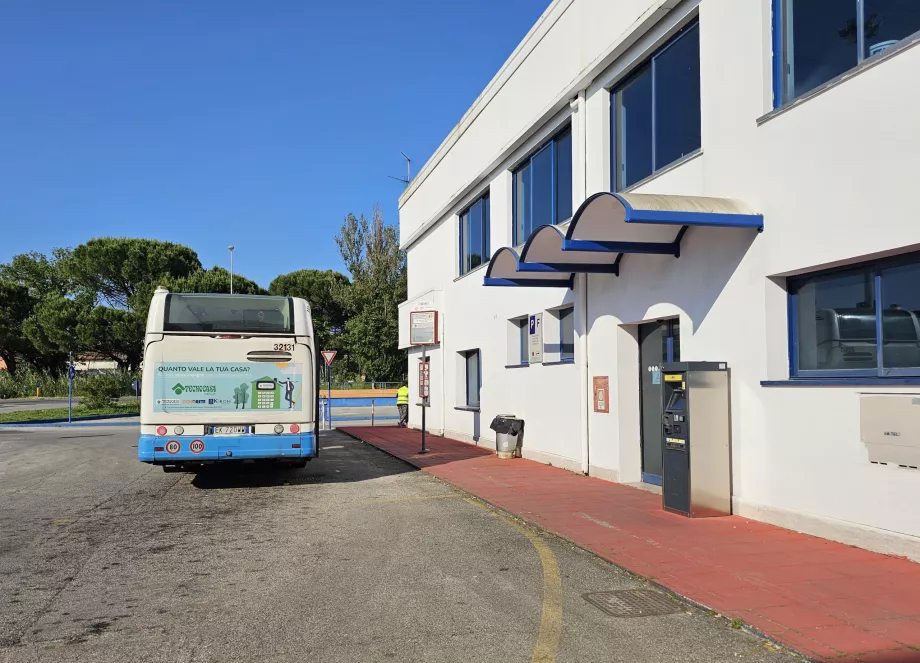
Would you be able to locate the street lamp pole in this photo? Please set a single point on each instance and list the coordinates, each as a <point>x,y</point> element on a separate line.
<point>231,247</point>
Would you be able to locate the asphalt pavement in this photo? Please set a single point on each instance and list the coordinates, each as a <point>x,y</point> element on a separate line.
<point>355,558</point>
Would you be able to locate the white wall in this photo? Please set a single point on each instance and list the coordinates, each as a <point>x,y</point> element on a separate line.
<point>832,175</point>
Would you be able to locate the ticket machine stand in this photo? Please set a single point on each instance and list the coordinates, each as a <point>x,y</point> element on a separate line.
<point>696,444</point>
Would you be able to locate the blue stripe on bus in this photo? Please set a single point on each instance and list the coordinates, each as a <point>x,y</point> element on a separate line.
<point>226,447</point>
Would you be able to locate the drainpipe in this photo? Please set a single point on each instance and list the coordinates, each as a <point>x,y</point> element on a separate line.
<point>586,395</point>
<point>441,352</point>
<point>578,106</point>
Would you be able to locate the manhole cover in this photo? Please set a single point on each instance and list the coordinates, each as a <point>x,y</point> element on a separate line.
<point>633,603</point>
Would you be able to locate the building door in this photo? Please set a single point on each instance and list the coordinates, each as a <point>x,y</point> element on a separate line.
<point>658,342</point>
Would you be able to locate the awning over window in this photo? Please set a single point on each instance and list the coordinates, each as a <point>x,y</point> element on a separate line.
<point>546,245</point>
<point>505,269</point>
<point>607,226</point>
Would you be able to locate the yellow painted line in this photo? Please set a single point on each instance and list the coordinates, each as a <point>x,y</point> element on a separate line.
<point>547,645</point>
<point>62,521</point>
<point>413,498</point>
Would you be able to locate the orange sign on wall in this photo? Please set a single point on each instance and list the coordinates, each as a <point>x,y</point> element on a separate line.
<point>601,394</point>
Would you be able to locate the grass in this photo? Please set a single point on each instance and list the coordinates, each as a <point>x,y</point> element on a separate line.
<point>126,409</point>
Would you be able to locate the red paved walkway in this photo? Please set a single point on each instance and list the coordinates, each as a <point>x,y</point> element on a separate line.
<point>824,599</point>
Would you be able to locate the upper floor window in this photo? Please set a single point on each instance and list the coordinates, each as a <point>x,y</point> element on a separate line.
<point>543,187</point>
<point>474,235</point>
<point>655,113</point>
<point>837,318</point>
<point>817,40</point>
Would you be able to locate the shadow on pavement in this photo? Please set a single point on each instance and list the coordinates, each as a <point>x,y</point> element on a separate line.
<point>318,471</point>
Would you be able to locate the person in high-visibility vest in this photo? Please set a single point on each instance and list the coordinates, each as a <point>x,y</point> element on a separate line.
<point>402,402</point>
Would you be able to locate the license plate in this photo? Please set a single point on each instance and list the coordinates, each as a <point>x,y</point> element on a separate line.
<point>229,430</point>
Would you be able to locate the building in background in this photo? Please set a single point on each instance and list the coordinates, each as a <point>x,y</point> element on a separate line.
<point>93,362</point>
<point>654,180</point>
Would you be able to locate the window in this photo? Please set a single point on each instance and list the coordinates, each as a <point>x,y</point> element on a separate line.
<point>837,318</point>
<point>228,313</point>
<point>655,113</point>
<point>473,377</point>
<point>518,341</point>
<point>817,40</point>
<point>567,334</point>
<point>524,336</point>
<point>474,235</point>
<point>543,187</point>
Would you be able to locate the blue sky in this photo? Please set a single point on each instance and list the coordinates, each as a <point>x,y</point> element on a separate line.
<point>216,122</point>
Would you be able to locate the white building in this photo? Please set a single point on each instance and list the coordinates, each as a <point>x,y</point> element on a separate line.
<point>735,116</point>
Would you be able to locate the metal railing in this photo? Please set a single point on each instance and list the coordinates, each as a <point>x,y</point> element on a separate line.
<point>348,386</point>
<point>327,417</point>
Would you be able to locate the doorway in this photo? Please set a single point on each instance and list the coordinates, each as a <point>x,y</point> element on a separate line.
<point>659,342</point>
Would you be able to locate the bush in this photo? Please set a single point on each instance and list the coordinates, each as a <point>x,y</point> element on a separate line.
<point>22,384</point>
<point>8,386</point>
<point>101,391</point>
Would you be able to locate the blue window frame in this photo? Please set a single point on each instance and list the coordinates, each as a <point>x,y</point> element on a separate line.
<point>655,113</point>
<point>814,41</point>
<point>837,317</point>
<point>474,235</point>
<point>542,187</point>
<point>567,334</point>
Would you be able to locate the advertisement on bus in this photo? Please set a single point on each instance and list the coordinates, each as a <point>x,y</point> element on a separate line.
<point>227,387</point>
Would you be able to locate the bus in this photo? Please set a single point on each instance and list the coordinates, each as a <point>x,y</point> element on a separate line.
<point>228,378</point>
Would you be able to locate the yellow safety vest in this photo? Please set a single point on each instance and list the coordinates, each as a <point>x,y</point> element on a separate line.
<point>402,396</point>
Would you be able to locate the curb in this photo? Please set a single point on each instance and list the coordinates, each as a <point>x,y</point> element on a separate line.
<point>651,581</point>
<point>76,420</point>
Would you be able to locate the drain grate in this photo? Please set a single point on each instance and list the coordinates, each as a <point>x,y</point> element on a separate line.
<point>633,603</point>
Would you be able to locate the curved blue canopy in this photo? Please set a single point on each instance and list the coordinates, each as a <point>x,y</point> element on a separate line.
<point>608,225</point>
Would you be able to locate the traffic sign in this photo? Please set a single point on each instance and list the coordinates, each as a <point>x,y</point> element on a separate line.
<point>71,372</point>
<point>329,355</point>
<point>173,447</point>
<point>196,446</point>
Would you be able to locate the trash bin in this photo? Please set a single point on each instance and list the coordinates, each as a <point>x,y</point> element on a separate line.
<point>508,429</point>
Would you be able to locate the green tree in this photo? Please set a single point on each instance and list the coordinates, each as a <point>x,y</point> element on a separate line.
<point>96,296</point>
<point>118,268</point>
<point>323,290</point>
<point>15,308</point>
<point>46,285</point>
<point>114,278</point>
<point>216,279</point>
<point>39,274</point>
<point>370,251</point>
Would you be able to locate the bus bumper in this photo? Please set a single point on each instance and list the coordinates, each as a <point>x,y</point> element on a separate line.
<point>162,449</point>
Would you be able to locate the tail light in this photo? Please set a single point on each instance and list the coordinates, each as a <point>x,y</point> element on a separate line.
<point>295,428</point>
<point>161,430</point>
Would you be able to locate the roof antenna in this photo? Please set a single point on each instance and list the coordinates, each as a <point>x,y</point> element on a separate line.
<point>408,171</point>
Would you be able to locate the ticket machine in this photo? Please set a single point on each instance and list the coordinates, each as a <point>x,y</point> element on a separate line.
<point>696,444</point>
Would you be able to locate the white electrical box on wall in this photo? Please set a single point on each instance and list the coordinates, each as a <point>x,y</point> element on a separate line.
<point>890,428</point>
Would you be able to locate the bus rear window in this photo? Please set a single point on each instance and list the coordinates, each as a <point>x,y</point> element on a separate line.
<point>229,314</point>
